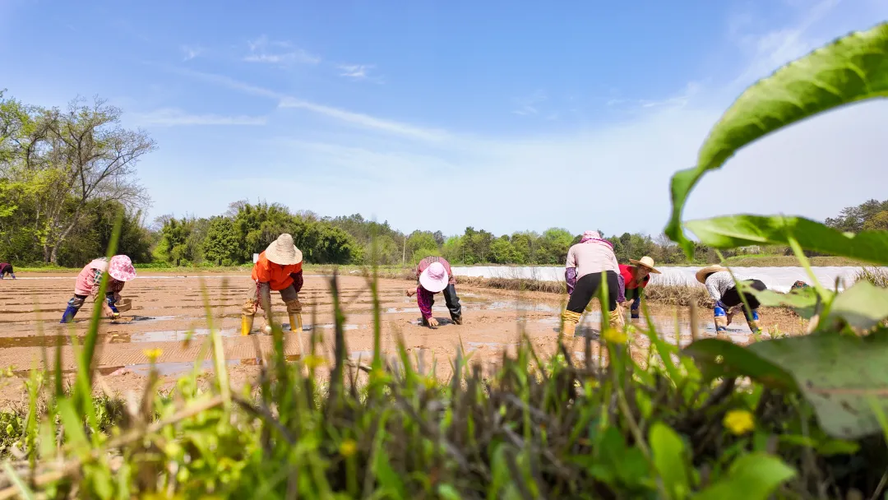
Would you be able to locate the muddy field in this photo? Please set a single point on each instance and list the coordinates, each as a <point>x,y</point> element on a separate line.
<point>168,309</point>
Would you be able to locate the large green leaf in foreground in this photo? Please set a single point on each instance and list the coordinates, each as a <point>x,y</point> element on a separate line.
<point>742,230</point>
<point>839,375</point>
<point>850,69</point>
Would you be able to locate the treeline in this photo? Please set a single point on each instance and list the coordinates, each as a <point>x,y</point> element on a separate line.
<point>232,238</point>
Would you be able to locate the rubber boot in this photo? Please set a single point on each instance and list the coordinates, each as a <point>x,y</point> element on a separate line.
<point>246,324</point>
<point>68,315</point>
<point>295,321</point>
<point>753,322</point>
<point>721,319</point>
<point>570,319</point>
<point>616,320</point>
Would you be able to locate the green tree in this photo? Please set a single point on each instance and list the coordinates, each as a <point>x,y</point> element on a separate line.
<point>502,251</point>
<point>222,245</point>
<point>878,221</point>
<point>853,219</point>
<point>553,246</point>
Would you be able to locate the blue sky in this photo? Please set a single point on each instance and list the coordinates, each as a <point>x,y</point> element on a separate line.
<point>440,115</point>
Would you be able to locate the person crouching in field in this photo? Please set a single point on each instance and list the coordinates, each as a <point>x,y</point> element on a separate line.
<point>589,263</point>
<point>724,292</point>
<point>120,270</point>
<point>434,275</point>
<point>279,268</point>
<point>6,268</point>
<point>635,279</point>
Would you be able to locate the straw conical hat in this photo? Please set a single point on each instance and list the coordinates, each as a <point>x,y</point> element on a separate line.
<point>283,252</point>
<point>646,262</point>
<point>706,271</point>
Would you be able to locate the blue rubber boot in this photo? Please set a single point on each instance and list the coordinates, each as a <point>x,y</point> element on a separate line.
<point>753,321</point>
<point>69,314</point>
<point>721,319</point>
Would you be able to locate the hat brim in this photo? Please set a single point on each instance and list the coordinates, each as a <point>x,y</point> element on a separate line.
<point>642,264</point>
<point>122,275</point>
<point>706,271</point>
<point>431,284</point>
<point>283,259</point>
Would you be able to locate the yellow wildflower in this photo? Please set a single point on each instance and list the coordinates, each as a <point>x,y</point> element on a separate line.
<point>615,336</point>
<point>739,421</point>
<point>348,448</point>
<point>152,354</point>
<point>314,361</point>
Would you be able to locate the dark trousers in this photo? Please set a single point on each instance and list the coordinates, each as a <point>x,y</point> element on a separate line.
<point>452,302</point>
<point>634,294</point>
<point>587,288</point>
<point>731,298</point>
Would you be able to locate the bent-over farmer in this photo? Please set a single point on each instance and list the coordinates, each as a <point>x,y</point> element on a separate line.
<point>6,268</point>
<point>724,292</point>
<point>434,275</point>
<point>589,263</point>
<point>120,270</point>
<point>279,268</point>
<point>635,279</point>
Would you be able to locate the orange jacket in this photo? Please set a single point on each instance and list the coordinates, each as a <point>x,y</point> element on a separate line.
<point>277,276</point>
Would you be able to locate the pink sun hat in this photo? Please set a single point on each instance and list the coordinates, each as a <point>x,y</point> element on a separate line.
<point>434,278</point>
<point>121,268</point>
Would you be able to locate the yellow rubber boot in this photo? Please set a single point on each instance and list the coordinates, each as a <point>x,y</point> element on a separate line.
<point>294,311</point>
<point>246,324</point>
<point>570,319</point>
<point>616,319</point>
<point>295,322</point>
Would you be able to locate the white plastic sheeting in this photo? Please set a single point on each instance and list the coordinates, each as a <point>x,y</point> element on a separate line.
<point>776,278</point>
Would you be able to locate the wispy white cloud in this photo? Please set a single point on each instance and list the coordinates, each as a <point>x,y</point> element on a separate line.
<point>172,117</point>
<point>189,52</point>
<point>770,50</point>
<point>367,121</point>
<point>265,50</point>
<point>530,105</point>
<point>358,72</point>
<point>286,101</point>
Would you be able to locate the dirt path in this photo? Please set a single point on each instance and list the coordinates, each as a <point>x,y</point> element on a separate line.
<point>166,308</point>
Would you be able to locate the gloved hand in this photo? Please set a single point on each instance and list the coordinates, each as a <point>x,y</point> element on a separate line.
<point>111,300</point>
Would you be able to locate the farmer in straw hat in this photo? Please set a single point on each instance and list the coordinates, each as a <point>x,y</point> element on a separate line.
<point>120,270</point>
<point>589,263</point>
<point>635,279</point>
<point>433,275</point>
<point>6,268</point>
<point>723,291</point>
<point>279,268</point>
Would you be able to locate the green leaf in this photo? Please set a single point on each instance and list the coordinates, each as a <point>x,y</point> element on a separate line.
<point>848,70</point>
<point>743,230</point>
<point>751,477</point>
<point>837,374</point>
<point>448,492</point>
<point>720,358</point>
<point>862,306</point>
<point>803,302</point>
<point>73,425</point>
<point>669,459</point>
